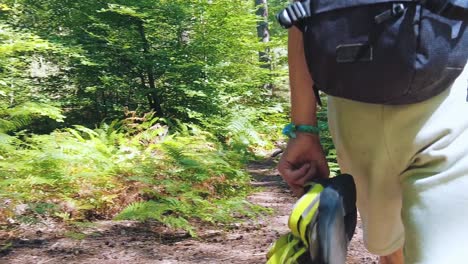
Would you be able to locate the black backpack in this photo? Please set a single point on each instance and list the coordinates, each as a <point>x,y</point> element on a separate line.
<point>382,51</point>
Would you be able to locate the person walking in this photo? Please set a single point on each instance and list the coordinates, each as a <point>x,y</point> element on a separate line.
<point>409,159</point>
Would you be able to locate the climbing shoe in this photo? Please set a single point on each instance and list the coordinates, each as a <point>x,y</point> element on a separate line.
<point>288,249</point>
<point>322,223</point>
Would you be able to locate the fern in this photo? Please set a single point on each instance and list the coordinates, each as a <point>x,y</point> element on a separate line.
<point>241,130</point>
<point>142,211</point>
<point>7,144</point>
<point>91,172</point>
<point>22,115</point>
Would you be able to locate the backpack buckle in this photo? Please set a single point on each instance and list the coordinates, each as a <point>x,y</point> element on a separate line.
<point>398,9</point>
<point>294,13</point>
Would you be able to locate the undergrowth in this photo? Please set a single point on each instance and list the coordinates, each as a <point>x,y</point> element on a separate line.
<point>141,168</point>
<point>131,169</point>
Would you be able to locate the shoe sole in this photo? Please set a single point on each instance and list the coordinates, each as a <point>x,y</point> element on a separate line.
<point>331,234</point>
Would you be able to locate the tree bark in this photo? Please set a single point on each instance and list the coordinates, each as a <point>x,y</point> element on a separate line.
<point>263,33</point>
<point>262,29</point>
<point>153,96</point>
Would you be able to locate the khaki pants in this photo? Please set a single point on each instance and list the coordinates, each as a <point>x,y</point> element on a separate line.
<point>410,164</point>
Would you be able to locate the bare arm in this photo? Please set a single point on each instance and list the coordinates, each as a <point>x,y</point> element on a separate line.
<point>303,104</point>
<point>303,159</point>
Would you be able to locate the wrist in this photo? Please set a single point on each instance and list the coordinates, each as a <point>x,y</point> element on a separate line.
<point>307,135</point>
<point>292,130</point>
<point>305,139</point>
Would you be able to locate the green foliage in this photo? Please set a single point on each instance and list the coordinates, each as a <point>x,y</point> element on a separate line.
<point>78,174</point>
<point>5,247</point>
<point>187,60</point>
<point>253,129</point>
<point>176,212</point>
<point>192,66</point>
<point>75,235</point>
<point>156,210</point>
<point>23,57</point>
<point>20,116</point>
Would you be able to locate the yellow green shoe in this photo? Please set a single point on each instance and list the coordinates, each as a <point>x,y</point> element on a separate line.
<point>322,223</point>
<point>305,212</point>
<point>288,249</point>
<point>337,220</point>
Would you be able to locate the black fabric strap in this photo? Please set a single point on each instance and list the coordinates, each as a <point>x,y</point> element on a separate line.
<point>300,10</point>
<point>453,9</point>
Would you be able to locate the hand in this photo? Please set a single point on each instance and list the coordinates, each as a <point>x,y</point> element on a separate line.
<point>302,161</point>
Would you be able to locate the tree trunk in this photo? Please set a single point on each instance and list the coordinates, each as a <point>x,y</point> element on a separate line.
<point>263,33</point>
<point>262,30</point>
<point>153,96</point>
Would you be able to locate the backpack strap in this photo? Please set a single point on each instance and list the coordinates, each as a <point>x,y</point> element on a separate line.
<point>454,9</point>
<point>300,10</point>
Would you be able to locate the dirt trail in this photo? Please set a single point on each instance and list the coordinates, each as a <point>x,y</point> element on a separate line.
<point>110,242</point>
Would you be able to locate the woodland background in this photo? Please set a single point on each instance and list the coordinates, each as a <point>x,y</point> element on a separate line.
<point>138,109</point>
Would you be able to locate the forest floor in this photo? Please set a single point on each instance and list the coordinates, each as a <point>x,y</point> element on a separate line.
<point>112,242</point>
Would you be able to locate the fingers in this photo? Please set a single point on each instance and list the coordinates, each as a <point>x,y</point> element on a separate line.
<point>297,178</point>
<point>308,175</point>
<point>302,162</point>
